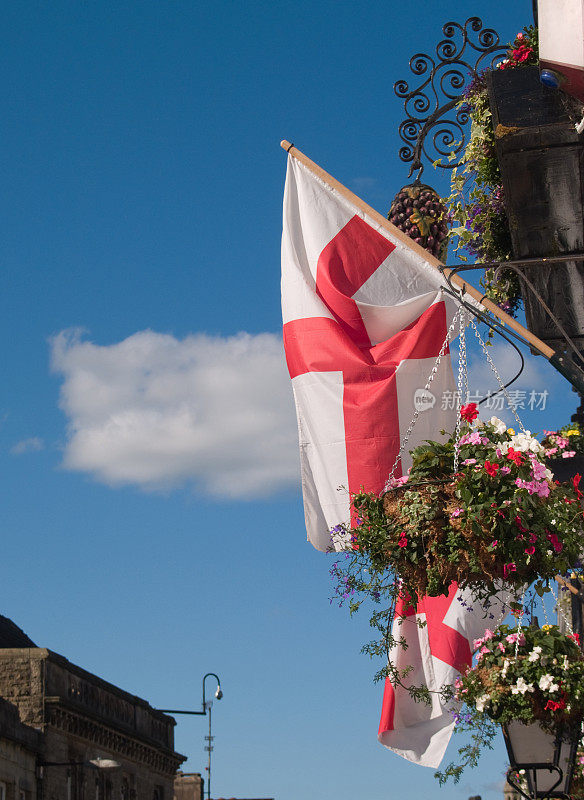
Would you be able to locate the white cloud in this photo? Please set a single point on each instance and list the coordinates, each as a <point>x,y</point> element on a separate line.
<point>32,445</point>
<point>157,412</point>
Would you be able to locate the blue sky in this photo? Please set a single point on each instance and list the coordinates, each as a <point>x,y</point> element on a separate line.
<point>153,526</point>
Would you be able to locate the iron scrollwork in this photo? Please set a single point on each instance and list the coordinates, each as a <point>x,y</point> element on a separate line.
<point>428,130</point>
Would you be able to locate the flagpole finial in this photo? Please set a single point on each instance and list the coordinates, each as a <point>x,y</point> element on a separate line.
<point>286,145</point>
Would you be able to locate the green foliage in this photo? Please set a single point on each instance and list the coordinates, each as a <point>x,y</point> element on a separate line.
<point>476,203</point>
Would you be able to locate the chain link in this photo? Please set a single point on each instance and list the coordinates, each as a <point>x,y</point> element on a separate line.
<point>499,379</point>
<point>408,433</point>
<point>462,383</point>
<point>560,611</point>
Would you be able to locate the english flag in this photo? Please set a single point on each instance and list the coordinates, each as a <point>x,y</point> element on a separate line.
<point>364,320</point>
<point>437,653</point>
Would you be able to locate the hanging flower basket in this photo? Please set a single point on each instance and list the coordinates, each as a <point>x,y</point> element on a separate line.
<point>526,675</point>
<point>564,450</point>
<point>499,521</point>
<point>530,681</point>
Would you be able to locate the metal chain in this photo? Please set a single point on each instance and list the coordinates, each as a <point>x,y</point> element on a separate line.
<point>462,383</point>
<point>561,612</point>
<point>499,379</point>
<point>519,618</point>
<point>408,433</point>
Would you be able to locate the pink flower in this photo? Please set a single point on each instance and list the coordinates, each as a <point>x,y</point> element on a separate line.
<point>534,487</point>
<point>516,637</point>
<point>530,550</point>
<point>569,454</point>
<point>471,438</point>
<point>456,512</point>
<point>494,543</point>
<point>505,470</point>
<point>508,569</point>
<point>501,646</point>
<point>538,470</point>
<point>550,451</point>
<point>469,461</point>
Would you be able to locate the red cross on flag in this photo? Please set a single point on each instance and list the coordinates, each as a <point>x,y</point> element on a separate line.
<point>436,653</point>
<point>364,320</point>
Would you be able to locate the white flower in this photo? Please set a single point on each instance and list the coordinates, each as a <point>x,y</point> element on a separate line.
<point>482,701</point>
<point>546,683</point>
<point>535,653</point>
<point>506,665</point>
<point>522,687</point>
<point>498,425</point>
<point>566,664</point>
<point>525,443</point>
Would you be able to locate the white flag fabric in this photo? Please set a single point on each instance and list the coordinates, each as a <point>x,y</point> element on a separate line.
<point>438,652</point>
<point>364,319</point>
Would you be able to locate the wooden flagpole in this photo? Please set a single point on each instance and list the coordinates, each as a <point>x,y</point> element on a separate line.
<point>557,360</point>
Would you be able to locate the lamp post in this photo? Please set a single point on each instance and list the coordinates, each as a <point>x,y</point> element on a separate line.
<point>206,707</point>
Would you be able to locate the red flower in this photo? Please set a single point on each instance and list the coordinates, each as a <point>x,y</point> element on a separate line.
<point>576,481</point>
<point>469,412</point>
<point>522,53</point>
<point>554,541</point>
<point>575,637</point>
<point>520,524</point>
<point>555,705</point>
<point>530,550</point>
<point>514,456</point>
<point>491,468</point>
<point>402,539</point>
<point>508,569</point>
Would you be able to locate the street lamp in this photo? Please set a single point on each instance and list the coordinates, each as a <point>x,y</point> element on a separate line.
<point>545,760</point>
<point>206,707</point>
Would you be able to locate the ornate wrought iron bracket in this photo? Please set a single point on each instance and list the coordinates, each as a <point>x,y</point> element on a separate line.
<point>466,51</point>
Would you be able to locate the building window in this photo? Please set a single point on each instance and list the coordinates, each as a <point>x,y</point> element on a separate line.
<point>2,791</point>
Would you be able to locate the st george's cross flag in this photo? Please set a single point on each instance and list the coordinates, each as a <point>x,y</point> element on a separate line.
<point>364,320</point>
<point>436,653</point>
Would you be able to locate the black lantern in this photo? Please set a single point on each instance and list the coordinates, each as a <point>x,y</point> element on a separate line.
<point>545,761</point>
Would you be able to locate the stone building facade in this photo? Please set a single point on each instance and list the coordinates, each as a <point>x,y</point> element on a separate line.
<point>19,751</point>
<point>189,786</point>
<point>80,718</point>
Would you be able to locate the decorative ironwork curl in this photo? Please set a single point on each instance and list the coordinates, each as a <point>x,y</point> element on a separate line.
<point>427,131</point>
